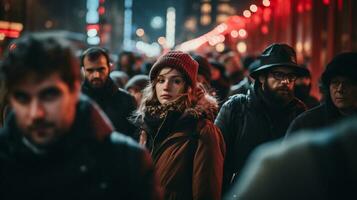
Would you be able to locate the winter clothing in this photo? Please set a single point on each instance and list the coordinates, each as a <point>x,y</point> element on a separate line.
<point>311,165</point>
<point>344,64</point>
<point>318,117</point>
<point>117,104</point>
<point>120,78</point>
<point>277,55</point>
<point>89,162</point>
<point>249,120</point>
<point>187,149</point>
<point>139,82</point>
<point>178,60</point>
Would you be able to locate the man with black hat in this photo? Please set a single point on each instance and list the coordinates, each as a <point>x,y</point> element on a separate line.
<point>339,85</point>
<point>265,112</point>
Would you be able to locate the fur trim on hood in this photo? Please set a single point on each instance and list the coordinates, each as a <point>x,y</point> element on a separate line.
<point>206,107</point>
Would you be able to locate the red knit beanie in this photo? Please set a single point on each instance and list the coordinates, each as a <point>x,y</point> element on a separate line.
<point>178,60</point>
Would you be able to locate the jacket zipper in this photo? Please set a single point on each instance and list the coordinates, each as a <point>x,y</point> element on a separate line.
<point>157,133</point>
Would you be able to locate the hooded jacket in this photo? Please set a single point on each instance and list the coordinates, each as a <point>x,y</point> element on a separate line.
<point>89,162</point>
<point>188,152</point>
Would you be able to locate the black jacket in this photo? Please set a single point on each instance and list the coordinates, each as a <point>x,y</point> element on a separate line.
<point>249,120</point>
<point>89,162</point>
<point>311,165</point>
<point>117,104</point>
<point>318,117</point>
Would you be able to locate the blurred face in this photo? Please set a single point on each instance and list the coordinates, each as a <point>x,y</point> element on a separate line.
<point>136,94</point>
<point>280,83</point>
<point>232,65</point>
<point>343,92</point>
<point>45,109</point>
<point>215,74</point>
<point>170,84</point>
<point>96,72</point>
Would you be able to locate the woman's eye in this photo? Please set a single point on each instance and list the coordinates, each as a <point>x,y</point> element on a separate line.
<point>161,81</point>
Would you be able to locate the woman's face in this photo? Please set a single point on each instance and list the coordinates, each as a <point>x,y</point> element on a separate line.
<point>170,84</point>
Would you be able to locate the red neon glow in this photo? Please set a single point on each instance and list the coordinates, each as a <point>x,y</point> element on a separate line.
<point>326,2</point>
<point>340,5</point>
<point>10,33</point>
<point>256,19</point>
<point>101,10</point>
<point>266,14</point>
<point>265,29</point>
<point>101,1</point>
<point>300,8</point>
<point>308,5</point>
<point>93,26</point>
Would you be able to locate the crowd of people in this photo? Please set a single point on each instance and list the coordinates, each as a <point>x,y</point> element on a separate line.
<point>186,126</point>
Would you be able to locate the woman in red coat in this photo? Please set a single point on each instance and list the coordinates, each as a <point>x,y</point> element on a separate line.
<point>177,127</point>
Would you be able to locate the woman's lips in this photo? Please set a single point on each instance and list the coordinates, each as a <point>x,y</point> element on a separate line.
<point>166,96</point>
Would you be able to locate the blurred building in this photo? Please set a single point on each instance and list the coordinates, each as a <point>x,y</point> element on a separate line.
<point>317,29</point>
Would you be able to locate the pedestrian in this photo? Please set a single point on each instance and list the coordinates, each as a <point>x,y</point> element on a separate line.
<point>56,144</point>
<point>339,86</point>
<point>177,127</point>
<point>265,112</point>
<point>318,165</point>
<point>117,103</point>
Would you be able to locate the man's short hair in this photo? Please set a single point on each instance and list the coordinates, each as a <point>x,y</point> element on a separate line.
<point>42,56</point>
<point>93,53</point>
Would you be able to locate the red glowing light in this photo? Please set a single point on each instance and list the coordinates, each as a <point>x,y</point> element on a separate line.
<point>101,10</point>
<point>300,8</point>
<point>10,33</point>
<point>265,29</point>
<point>93,26</point>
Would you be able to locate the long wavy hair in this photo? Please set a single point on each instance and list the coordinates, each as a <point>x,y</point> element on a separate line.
<point>150,98</point>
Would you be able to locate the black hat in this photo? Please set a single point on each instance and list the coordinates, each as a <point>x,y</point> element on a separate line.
<point>344,64</point>
<point>278,55</point>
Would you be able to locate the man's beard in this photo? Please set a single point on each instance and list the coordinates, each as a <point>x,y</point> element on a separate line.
<point>42,133</point>
<point>97,83</point>
<point>278,97</point>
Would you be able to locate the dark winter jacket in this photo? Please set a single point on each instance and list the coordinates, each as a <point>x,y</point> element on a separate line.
<point>321,116</point>
<point>188,152</point>
<point>249,120</point>
<point>89,162</point>
<point>316,165</point>
<point>117,104</point>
